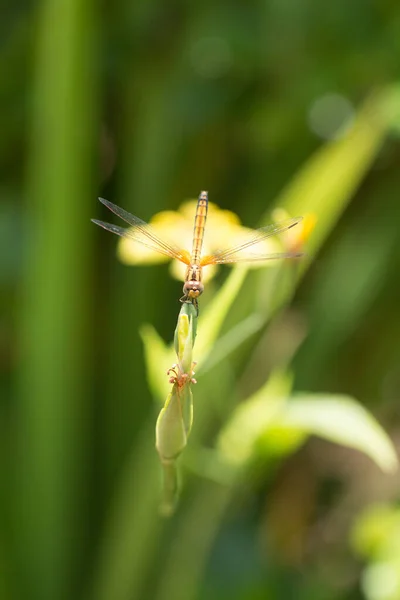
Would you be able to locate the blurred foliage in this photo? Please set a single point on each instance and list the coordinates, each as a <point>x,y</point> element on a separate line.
<point>376,536</point>
<point>272,106</point>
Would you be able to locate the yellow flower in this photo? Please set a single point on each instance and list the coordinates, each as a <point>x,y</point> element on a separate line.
<point>223,230</point>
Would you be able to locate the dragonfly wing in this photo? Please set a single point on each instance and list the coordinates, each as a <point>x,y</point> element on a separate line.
<point>236,254</point>
<point>124,214</point>
<point>142,233</point>
<point>241,257</point>
<point>131,234</point>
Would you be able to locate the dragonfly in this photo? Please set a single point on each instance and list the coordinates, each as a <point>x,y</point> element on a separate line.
<point>141,232</point>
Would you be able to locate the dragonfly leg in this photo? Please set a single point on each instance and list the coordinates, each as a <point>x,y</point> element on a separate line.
<point>179,378</point>
<point>194,301</point>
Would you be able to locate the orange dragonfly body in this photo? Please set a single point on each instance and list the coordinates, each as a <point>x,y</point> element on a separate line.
<point>142,232</point>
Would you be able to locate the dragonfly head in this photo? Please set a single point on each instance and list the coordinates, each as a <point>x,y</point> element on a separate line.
<point>192,289</point>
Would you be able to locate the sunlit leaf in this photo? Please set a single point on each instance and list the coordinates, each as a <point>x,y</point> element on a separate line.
<point>328,180</point>
<point>376,538</point>
<point>381,580</point>
<point>216,312</point>
<point>284,423</point>
<point>251,419</point>
<point>158,358</point>
<point>342,420</point>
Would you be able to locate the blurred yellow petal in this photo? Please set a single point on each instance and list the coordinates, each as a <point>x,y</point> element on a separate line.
<point>134,253</point>
<point>177,270</point>
<point>171,224</point>
<point>168,225</point>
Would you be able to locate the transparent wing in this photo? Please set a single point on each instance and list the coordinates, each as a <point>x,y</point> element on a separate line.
<point>253,257</point>
<point>142,233</point>
<point>237,254</point>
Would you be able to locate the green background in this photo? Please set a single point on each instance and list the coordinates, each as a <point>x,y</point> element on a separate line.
<point>146,103</point>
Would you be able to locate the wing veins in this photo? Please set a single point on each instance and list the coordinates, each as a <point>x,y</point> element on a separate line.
<point>140,226</point>
<point>130,234</point>
<point>257,258</point>
<point>261,234</point>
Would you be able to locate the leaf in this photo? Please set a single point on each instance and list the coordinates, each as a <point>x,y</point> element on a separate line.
<point>236,336</point>
<point>158,358</point>
<point>328,180</point>
<point>217,310</point>
<point>251,419</point>
<point>282,424</point>
<point>344,421</point>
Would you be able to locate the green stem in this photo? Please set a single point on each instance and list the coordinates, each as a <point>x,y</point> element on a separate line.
<point>54,372</point>
<point>196,530</point>
<point>133,528</point>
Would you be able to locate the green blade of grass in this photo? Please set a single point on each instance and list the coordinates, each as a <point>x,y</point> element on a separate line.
<point>325,185</point>
<point>54,371</point>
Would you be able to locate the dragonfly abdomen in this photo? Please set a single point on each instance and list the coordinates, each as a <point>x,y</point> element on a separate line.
<point>199,226</point>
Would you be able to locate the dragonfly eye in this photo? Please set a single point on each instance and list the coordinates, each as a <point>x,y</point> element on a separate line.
<point>193,288</point>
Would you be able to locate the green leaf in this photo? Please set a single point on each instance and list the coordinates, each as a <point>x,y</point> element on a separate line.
<point>216,312</point>
<point>251,419</point>
<point>342,420</point>
<point>282,423</point>
<point>328,180</point>
<point>158,358</point>
<point>228,343</point>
